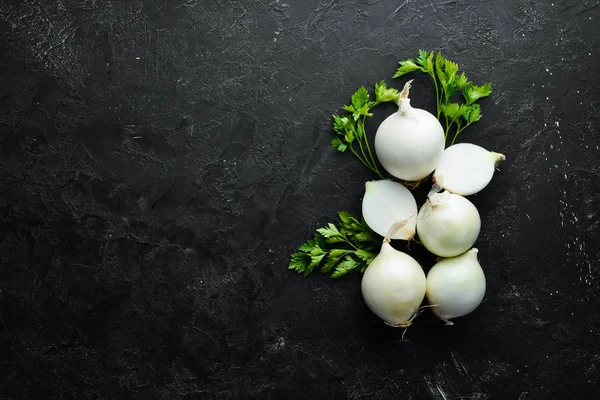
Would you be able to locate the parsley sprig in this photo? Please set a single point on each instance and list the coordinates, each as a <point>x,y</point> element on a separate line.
<point>339,249</point>
<point>350,128</point>
<point>447,83</point>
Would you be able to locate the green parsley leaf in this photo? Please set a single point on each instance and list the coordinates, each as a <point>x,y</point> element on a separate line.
<point>473,113</point>
<point>461,81</point>
<point>338,124</point>
<point>405,68</point>
<point>351,127</point>
<point>344,267</point>
<point>363,237</point>
<point>360,97</point>
<point>425,60</point>
<point>314,262</point>
<point>448,82</point>
<point>308,246</point>
<point>349,137</point>
<point>364,255</point>
<point>365,110</point>
<point>338,144</point>
<point>472,93</point>
<point>349,253</point>
<point>333,258</point>
<point>450,68</point>
<point>300,263</point>
<point>384,94</point>
<point>330,231</point>
<point>454,110</point>
<point>345,217</point>
<point>320,241</point>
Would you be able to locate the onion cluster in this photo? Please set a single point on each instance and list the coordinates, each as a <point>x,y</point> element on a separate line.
<point>410,146</point>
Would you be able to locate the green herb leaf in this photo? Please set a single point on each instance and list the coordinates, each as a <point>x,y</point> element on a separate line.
<point>349,137</point>
<point>450,68</point>
<point>345,217</point>
<point>472,93</point>
<point>473,113</point>
<point>448,83</point>
<point>454,110</point>
<point>384,94</point>
<point>462,81</point>
<point>425,60</point>
<point>439,69</point>
<point>365,255</point>
<point>314,262</point>
<point>300,262</point>
<point>320,241</point>
<point>406,67</point>
<point>344,267</point>
<point>351,127</point>
<point>320,251</point>
<point>333,258</point>
<point>338,144</point>
<point>338,124</point>
<point>330,231</point>
<point>308,246</point>
<point>363,237</point>
<point>360,97</point>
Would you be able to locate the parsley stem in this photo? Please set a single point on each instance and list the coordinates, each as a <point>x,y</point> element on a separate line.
<point>438,100</point>
<point>375,170</point>
<point>368,146</point>
<point>360,145</point>
<point>349,242</point>
<point>459,130</point>
<point>448,125</point>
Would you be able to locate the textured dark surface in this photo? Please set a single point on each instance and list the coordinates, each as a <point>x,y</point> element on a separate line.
<point>160,160</point>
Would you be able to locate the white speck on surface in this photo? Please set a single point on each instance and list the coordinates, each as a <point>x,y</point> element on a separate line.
<point>279,344</point>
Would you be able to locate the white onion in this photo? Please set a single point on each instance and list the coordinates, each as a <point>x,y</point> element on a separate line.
<point>393,285</point>
<point>448,224</point>
<point>410,142</point>
<point>385,202</point>
<point>456,286</point>
<point>466,168</point>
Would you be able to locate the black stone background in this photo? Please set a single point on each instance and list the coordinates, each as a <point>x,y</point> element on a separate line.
<point>160,160</point>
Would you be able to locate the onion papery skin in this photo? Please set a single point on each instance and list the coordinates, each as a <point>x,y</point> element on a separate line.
<point>456,286</point>
<point>448,224</point>
<point>393,286</point>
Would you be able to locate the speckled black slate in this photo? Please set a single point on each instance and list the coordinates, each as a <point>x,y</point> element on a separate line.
<point>160,160</point>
